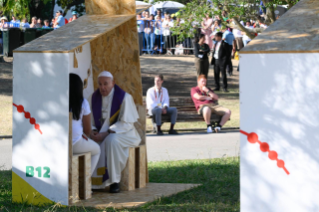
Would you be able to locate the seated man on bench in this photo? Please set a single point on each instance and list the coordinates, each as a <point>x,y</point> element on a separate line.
<point>205,101</point>
<point>113,116</point>
<point>157,101</point>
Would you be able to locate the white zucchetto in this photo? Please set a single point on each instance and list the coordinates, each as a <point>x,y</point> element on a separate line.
<point>105,74</point>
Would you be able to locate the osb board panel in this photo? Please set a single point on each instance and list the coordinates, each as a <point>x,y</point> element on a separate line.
<point>118,53</point>
<point>133,198</point>
<point>140,125</point>
<point>141,8</point>
<point>142,167</point>
<point>75,194</point>
<point>128,174</point>
<point>297,31</point>
<point>98,7</point>
<point>75,34</point>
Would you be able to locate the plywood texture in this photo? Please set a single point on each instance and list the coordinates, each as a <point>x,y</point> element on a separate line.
<point>297,31</point>
<point>128,174</point>
<point>81,176</point>
<point>118,52</point>
<point>141,167</point>
<point>138,197</point>
<point>140,125</point>
<point>112,7</point>
<point>75,34</point>
<point>75,194</point>
<point>141,8</point>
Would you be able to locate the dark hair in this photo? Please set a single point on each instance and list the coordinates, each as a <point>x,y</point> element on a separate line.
<point>201,36</point>
<point>75,96</point>
<point>219,34</point>
<point>159,76</point>
<point>46,20</point>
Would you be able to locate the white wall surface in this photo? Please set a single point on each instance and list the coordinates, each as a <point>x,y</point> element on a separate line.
<point>41,85</point>
<point>279,100</point>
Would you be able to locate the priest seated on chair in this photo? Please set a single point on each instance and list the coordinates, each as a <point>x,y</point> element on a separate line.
<point>113,116</point>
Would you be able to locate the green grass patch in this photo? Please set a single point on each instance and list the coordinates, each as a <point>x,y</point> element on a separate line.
<point>219,191</point>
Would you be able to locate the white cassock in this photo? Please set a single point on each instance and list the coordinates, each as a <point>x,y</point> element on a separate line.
<point>116,145</point>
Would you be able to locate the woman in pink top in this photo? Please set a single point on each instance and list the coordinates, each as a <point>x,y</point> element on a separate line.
<point>206,30</point>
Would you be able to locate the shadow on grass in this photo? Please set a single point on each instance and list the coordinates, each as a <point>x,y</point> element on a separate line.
<point>219,190</point>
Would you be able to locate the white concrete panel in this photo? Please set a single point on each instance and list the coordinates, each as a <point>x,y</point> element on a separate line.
<point>41,85</point>
<point>279,100</point>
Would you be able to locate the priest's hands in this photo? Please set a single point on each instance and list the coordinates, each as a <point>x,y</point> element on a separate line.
<point>99,137</point>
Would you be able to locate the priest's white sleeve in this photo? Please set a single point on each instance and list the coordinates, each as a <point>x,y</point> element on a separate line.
<point>127,117</point>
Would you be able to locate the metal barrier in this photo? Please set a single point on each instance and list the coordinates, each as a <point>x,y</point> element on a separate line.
<point>156,38</point>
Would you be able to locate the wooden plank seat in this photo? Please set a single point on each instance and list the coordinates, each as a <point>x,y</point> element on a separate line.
<point>186,112</point>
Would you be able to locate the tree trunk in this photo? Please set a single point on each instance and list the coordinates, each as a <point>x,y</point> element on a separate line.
<point>243,29</point>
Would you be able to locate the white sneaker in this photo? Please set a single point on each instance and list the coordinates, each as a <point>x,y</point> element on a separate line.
<point>217,129</point>
<point>209,130</point>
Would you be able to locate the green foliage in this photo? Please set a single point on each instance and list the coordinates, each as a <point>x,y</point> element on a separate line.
<point>195,10</point>
<point>25,8</point>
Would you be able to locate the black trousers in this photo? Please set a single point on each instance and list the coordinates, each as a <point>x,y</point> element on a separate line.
<point>220,66</point>
<point>229,64</point>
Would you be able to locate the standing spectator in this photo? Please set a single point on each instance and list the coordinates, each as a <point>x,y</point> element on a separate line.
<point>143,14</point>
<point>215,28</point>
<point>4,21</point>
<point>25,23</point>
<point>239,38</point>
<point>225,15</point>
<point>39,21</point>
<point>157,101</point>
<point>206,30</point>
<point>140,30</point>
<point>46,24</point>
<point>149,35</point>
<point>219,60</point>
<point>205,101</point>
<point>201,49</point>
<point>14,20</point>
<point>247,39</point>
<point>158,34</point>
<point>60,21</point>
<point>229,38</point>
<point>52,22</point>
<point>167,24</point>
<point>159,13</point>
<point>74,16</point>
<point>34,23</point>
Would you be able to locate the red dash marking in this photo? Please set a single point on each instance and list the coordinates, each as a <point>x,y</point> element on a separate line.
<point>264,147</point>
<point>27,115</point>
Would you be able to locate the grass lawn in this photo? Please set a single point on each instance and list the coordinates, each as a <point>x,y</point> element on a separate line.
<point>219,191</point>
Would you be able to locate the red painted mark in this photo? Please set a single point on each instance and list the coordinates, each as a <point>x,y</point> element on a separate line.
<point>264,147</point>
<point>27,115</point>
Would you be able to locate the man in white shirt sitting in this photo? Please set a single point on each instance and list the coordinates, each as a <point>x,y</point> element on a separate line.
<point>157,101</point>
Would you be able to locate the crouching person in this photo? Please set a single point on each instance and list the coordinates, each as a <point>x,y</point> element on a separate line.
<point>205,101</point>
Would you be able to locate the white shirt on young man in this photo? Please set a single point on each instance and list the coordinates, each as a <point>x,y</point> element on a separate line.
<point>156,98</point>
<point>217,49</point>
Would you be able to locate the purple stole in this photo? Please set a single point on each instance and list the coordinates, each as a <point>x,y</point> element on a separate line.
<point>118,98</point>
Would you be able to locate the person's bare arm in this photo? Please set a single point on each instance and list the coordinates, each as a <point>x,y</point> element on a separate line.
<point>200,97</point>
<point>86,120</point>
<point>99,137</point>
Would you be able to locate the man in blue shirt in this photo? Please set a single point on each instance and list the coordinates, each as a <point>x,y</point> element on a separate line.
<point>229,38</point>
<point>60,19</point>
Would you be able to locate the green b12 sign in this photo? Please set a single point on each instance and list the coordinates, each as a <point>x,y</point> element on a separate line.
<point>30,171</point>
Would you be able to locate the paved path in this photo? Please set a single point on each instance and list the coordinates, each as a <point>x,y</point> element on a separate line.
<point>168,148</point>
<point>5,154</point>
